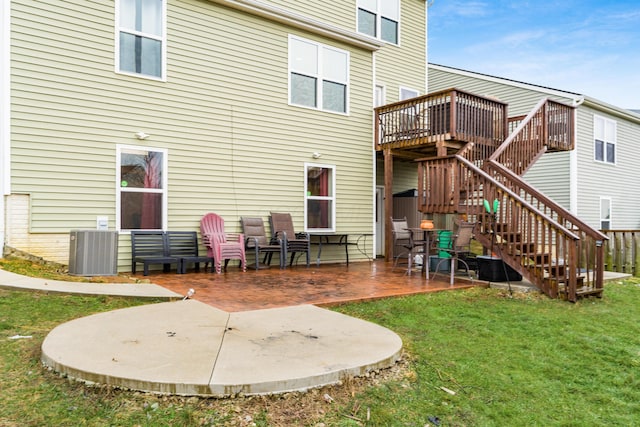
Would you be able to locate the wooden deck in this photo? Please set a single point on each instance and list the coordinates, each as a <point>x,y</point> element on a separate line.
<point>327,284</point>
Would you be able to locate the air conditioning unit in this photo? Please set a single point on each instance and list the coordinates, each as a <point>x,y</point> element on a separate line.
<point>93,253</point>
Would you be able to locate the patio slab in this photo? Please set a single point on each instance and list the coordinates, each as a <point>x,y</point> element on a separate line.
<point>190,348</point>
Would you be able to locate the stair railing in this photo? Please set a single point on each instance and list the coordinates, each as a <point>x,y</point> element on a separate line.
<point>549,126</point>
<point>531,241</point>
<point>590,249</point>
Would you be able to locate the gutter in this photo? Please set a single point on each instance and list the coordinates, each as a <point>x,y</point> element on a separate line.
<point>302,22</point>
<point>612,110</point>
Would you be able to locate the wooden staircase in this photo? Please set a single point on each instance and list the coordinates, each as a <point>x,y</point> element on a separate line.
<point>535,236</point>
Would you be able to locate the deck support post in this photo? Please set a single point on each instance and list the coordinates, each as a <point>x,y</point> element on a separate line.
<point>388,205</point>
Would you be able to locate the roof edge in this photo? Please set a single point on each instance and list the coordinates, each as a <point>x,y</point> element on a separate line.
<point>576,97</point>
<point>302,22</point>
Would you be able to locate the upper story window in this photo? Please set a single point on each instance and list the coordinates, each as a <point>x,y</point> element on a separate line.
<point>320,197</point>
<point>318,75</point>
<point>379,19</point>
<point>604,131</point>
<point>142,188</point>
<point>140,38</point>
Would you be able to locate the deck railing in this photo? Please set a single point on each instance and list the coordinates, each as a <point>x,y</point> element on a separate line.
<point>450,114</point>
<point>548,127</point>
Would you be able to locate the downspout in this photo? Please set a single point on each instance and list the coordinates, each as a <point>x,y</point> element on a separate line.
<point>573,161</point>
<point>428,4</point>
<point>5,116</point>
<point>374,155</point>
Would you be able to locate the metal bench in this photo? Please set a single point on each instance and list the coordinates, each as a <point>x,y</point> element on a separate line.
<point>151,247</point>
<point>184,246</point>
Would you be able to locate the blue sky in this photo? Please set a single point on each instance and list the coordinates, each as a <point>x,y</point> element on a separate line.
<point>584,46</point>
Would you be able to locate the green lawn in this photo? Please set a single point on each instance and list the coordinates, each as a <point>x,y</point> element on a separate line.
<point>522,361</point>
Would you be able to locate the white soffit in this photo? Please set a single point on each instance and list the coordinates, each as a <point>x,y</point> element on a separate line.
<point>302,22</point>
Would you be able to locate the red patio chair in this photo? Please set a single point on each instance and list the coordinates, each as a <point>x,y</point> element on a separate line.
<point>221,245</point>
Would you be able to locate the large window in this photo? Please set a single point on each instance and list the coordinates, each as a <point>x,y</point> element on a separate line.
<point>605,213</point>
<point>142,188</point>
<point>319,75</point>
<point>604,131</point>
<point>320,199</point>
<point>379,19</point>
<point>140,37</point>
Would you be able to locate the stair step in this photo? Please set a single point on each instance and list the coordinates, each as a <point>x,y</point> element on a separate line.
<point>501,227</point>
<point>541,259</point>
<point>557,270</point>
<point>526,247</point>
<point>563,280</point>
<point>512,237</point>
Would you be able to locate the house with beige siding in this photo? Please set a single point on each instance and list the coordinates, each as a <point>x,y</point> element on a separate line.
<point>595,181</point>
<point>147,114</point>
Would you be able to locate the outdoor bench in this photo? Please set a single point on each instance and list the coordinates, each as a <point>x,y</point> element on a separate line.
<point>184,246</point>
<point>166,248</point>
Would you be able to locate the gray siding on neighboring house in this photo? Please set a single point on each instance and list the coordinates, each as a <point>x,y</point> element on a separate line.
<point>520,98</point>
<point>615,181</point>
<point>551,174</point>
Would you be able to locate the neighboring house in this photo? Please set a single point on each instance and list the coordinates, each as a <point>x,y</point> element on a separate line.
<point>596,180</point>
<point>146,114</point>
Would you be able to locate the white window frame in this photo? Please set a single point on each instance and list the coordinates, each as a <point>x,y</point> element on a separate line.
<point>605,131</point>
<point>162,38</point>
<point>380,12</point>
<point>120,148</point>
<point>331,198</point>
<point>404,91</point>
<point>319,74</point>
<point>605,205</point>
<point>379,95</point>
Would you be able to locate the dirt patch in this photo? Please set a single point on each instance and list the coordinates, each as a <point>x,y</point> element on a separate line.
<point>308,408</point>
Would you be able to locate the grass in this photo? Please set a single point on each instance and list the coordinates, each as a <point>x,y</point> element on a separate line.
<point>522,361</point>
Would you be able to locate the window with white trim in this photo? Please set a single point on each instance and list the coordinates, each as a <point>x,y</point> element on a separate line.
<point>379,19</point>
<point>140,37</point>
<point>142,188</point>
<point>318,75</point>
<point>406,93</point>
<point>320,197</point>
<point>380,95</point>
<point>604,131</point>
<point>605,213</point>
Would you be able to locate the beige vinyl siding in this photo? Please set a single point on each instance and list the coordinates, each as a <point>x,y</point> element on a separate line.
<point>405,174</point>
<point>235,146</point>
<point>340,13</point>
<point>405,65</point>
